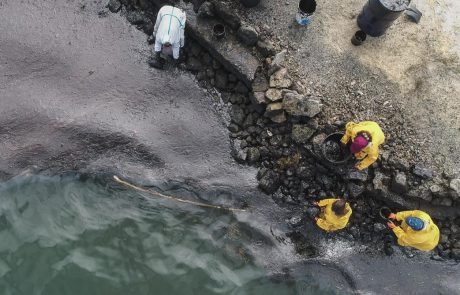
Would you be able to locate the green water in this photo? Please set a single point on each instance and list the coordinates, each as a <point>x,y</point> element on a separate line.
<point>62,235</point>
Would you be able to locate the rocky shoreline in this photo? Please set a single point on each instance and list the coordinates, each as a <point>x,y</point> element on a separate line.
<point>277,126</point>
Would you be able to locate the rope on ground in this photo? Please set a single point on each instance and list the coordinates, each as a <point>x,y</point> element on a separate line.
<point>155,193</point>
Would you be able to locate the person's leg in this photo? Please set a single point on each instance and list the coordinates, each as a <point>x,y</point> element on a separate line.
<point>157,61</point>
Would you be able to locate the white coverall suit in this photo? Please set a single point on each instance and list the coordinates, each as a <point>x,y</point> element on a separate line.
<point>169,28</point>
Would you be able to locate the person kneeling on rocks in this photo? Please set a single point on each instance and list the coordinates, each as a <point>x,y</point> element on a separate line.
<point>417,230</point>
<point>365,140</point>
<point>169,35</point>
<point>334,215</point>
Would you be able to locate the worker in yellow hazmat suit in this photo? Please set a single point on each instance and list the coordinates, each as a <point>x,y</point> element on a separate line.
<point>334,215</point>
<point>365,140</point>
<point>417,230</point>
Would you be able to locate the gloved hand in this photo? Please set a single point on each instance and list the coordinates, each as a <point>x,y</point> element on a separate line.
<point>391,225</point>
<point>392,216</point>
<point>315,204</point>
<point>358,167</point>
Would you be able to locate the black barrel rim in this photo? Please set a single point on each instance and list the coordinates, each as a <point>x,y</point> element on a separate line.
<point>307,6</point>
<point>335,137</point>
<point>385,212</point>
<point>218,30</point>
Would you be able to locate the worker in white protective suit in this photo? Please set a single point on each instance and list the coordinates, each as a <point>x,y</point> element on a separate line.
<point>169,35</point>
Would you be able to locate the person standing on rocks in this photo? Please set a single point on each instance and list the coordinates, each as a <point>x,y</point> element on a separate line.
<point>169,35</point>
<point>334,215</point>
<point>366,137</point>
<point>417,230</point>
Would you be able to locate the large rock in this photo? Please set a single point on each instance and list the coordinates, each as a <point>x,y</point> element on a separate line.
<point>280,79</point>
<point>312,107</point>
<point>379,182</point>
<point>268,181</point>
<point>279,118</point>
<point>354,174</point>
<point>260,84</point>
<point>455,186</point>
<point>355,189</point>
<point>298,105</point>
<point>273,94</point>
<point>274,109</point>
<point>237,115</point>
<point>225,13</point>
<point>114,6</point>
<point>422,171</point>
<point>399,184</point>
<point>301,133</point>
<point>258,98</point>
<point>278,62</point>
<point>252,155</point>
<point>247,35</point>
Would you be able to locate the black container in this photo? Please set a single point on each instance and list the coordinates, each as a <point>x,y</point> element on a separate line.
<point>375,18</point>
<point>344,154</point>
<point>384,213</point>
<point>307,6</point>
<point>358,38</point>
<point>250,3</point>
<point>218,31</point>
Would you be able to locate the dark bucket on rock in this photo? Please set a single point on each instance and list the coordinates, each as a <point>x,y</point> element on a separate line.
<point>332,150</point>
<point>378,15</point>
<point>249,3</point>
<point>218,31</point>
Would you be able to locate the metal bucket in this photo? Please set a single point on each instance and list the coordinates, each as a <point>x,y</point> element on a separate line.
<point>305,9</point>
<point>376,18</point>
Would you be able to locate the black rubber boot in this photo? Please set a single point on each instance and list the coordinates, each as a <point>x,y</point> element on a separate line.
<point>157,61</point>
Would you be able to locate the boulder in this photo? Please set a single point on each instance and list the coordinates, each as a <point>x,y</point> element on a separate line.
<point>274,109</point>
<point>280,79</point>
<point>252,155</point>
<point>237,114</point>
<point>301,133</point>
<point>247,35</point>
<point>269,181</point>
<point>354,174</point>
<point>278,62</point>
<point>422,171</point>
<point>114,6</point>
<point>273,94</point>
<point>399,184</point>
<point>455,186</point>
<point>258,98</point>
<point>260,83</point>
<point>379,182</point>
<point>312,107</point>
<point>355,189</point>
<point>279,118</point>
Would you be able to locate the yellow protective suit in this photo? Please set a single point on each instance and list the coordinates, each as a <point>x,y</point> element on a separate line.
<point>328,220</point>
<point>370,153</point>
<point>426,239</point>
